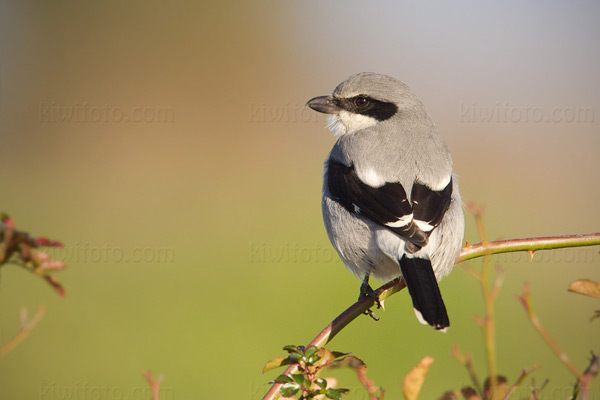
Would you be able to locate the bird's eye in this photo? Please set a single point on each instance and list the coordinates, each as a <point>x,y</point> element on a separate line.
<point>361,101</point>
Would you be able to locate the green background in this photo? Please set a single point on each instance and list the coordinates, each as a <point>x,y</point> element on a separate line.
<point>194,242</point>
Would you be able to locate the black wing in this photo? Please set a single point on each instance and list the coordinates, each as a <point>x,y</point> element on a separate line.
<point>429,206</point>
<point>388,205</point>
<point>385,205</point>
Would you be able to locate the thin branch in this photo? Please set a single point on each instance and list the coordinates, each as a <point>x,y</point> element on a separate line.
<point>467,361</point>
<point>40,272</point>
<point>154,383</point>
<point>467,253</point>
<point>535,392</point>
<point>583,384</point>
<point>339,323</point>
<point>519,381</point>
<point>474,273</point>
<point>26,327</point>
<point>489,295</point>
<point>530,244</point>
<point>525,300</point>
<point>369,385</point>
<point>497,282</point>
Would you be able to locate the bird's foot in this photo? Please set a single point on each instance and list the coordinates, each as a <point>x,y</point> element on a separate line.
<point>367,291</point>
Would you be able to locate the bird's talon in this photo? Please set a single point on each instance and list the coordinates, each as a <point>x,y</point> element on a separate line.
<point>367,291</point>
<point>371,314</point>
<point>378,302</point>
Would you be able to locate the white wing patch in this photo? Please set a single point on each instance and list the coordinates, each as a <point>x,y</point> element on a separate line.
<point>424,226</point>
<point>370,177</point>
<point>402,221</point>
<point>441,183</point>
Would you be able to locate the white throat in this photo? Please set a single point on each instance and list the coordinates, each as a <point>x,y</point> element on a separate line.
<point>346,122</point>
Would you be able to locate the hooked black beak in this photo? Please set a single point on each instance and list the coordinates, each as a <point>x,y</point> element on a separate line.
<point>324,104</point>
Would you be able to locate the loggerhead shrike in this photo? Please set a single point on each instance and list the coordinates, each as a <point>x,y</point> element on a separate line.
<point>391,204</point>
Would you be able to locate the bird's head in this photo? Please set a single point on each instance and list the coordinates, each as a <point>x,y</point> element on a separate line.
<point>365,100</point>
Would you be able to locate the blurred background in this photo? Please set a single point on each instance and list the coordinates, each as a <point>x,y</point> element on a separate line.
<point>167,145</point>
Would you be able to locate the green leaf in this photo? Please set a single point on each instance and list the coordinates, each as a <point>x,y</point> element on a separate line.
<point>310,351</point>
<point>314,359</point>
<point>333,394</point>
<point>282,379</point>
<point>292,349</point>
<point>338,354</point>
<point>289,389</point>
<point>320,382</point>
<point>350,362</point>
<point>298,378</point>
<point>324,356</point>
<point>276,363</point>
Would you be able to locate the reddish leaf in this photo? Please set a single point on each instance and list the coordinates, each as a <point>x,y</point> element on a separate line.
<point>44,262</point>
<point>54,283</point>
<point>7,220</point>
<point>42,241</point>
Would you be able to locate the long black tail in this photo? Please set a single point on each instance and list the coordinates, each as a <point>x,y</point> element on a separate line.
<point>424,291</point>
